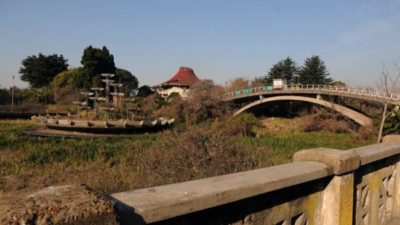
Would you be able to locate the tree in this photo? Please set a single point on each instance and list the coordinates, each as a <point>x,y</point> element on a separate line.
<point>5,97</point>
<point>284,69</point>
<point>314,71</point>
<point>130,81</point>
<point>96,61</point>
<point>67,85</point>
<point>203,103</point>
<point>145,91</point>
<point>387,85</point>
<point>339,83</point>
<point>40,70</point>
<point>238,84</point>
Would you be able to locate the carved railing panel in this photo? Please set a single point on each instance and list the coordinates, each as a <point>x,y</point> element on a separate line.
<point>300,219</point>
<point>302,211</point>
<point>374,195</point>
<point>386,194</point>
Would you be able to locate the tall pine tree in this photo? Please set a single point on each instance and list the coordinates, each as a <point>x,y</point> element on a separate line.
<point>96,61</point>
<point>284,69</point>
<point>314,71</point>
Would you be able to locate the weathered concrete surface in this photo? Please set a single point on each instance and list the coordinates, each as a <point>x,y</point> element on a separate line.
<point>339,161</point>
<point>352,114</point>
<point>391,139</point>
<point>164,202</point>
<point>57,205</point>
<point>338,201</point>
<point>372,153</point>
<point>393,221</point>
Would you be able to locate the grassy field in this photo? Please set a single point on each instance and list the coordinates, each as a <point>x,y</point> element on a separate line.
<point>120,164</point>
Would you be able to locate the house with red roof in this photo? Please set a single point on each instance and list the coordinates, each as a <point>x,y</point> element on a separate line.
<point>180,83</point>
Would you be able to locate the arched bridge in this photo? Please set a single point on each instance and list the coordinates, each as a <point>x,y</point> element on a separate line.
<point>364,94</point>
<point>312,94</point>
<point>354,115</point>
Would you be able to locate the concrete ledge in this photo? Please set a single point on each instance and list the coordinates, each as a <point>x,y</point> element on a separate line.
<point>339,162</point>
<point>57,205</point>
<point>372,153</point>
<point>168,201</point>
<point>391,139</point>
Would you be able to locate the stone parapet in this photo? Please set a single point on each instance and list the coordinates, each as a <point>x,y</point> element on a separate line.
<point>339,162</point>
<point>168,201</point>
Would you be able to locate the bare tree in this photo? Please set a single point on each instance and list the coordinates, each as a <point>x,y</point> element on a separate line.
<point>238,84</point>
<point>388,85</point>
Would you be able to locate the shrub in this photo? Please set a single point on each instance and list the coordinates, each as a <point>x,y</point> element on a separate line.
<point>202,104</point>
<point>73,78</point>
<point>66,85</point>
<point>242,124</point>
<point>327,121</point>
<point>199,152</point>
<point>392,124</point>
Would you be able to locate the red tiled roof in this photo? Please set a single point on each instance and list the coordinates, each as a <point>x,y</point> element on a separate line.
<point>184,77</point>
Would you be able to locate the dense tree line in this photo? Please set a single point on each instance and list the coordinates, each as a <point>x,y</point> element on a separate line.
<point>50,72</point>
<point>313,71</point>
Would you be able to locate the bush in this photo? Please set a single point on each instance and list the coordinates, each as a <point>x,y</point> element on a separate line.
<point>202,104</point>
<point>66,85</point>
<point>201,151</point>
<point>74,78</point>
<point>5,96</point>
<point>327,121</point>
<point>392,124</point>
<point>242,124</point>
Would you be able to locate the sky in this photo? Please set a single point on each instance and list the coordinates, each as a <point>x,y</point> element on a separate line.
<point>220,39</point>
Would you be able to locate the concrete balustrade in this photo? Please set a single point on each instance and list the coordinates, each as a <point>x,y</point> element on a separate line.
<point>322,186</point>
<point>169,201</point>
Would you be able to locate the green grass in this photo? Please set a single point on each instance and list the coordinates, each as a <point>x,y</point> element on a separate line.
<point>282,146</point>
<point>121,164</point>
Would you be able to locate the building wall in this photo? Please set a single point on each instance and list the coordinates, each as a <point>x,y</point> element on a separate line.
<point>182,91</point>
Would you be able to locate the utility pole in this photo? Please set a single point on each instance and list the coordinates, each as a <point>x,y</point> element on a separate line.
<point>12,94</point>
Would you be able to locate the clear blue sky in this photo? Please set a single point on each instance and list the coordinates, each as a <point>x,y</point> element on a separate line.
<point>220,40</point>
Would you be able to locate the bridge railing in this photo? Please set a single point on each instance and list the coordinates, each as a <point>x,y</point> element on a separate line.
<point>321,186</point>
<point>322,88</point>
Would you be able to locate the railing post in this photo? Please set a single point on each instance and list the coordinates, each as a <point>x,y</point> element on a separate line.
<point>396,191</point>
<point>338,196</point>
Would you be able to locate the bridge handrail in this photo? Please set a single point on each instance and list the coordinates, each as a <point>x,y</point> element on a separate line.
<point>311,87</point>
<point>340,167</point>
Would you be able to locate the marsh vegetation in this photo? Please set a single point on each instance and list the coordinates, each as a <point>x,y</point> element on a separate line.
<point>190,152</point>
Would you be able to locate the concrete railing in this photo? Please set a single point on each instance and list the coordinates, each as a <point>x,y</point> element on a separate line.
<point>322,186</point>
<point>322,89</point>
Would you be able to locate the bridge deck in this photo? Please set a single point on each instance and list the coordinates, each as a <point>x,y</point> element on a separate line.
<point>364,94</point>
